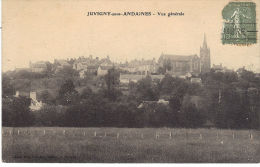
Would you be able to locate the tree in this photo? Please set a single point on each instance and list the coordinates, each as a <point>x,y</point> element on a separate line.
<point>67,93</point>
<point>175,103</point>
<point>233,109</point>
<point>46,97</point>
<point>16,111</point>
<point>190,116</point>
<point>7,86</point>
<point>254,108</point>
<point>246,75</point>
<point>112,84</point>
<point>49,69</point>
<point>194,89</point>
<point>71,61</point>
<point>167,85</point>
<point>145,90</point>
<point>91,112</point>
<point>67,72</point>
<point>50,115</point>
<point>112,78</point>
<point>176,86</point>
<point>161,70</point>
<point>86,93</point>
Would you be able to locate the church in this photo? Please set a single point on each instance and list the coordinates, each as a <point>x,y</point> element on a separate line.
<point>183,64</point>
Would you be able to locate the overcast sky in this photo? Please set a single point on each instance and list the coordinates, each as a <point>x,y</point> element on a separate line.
<point>36,30</point>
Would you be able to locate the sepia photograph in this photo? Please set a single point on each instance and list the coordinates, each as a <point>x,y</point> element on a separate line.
<point>120,81</point>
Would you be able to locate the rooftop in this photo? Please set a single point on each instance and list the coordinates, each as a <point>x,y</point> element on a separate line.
<point>178,57</point>
<point>105,67</point>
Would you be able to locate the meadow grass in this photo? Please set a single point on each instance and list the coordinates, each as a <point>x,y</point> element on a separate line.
<point>134,145</point>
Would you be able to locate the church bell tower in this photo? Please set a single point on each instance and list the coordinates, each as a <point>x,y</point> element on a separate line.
<point>204,57</point>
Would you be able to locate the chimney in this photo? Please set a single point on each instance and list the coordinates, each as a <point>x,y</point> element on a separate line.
<point>16,94</point>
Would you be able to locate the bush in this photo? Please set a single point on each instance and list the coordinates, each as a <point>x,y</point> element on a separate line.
<point>50,115</point>
<point>16,112</point>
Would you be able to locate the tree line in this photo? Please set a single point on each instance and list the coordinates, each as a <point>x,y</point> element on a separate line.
<point>223,100</point>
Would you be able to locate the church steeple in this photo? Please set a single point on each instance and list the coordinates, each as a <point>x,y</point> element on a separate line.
<point>205,63</point>
<point>205,42</point>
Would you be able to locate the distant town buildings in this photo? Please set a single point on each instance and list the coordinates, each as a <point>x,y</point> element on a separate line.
<point>127,78</point>
<point>22,69</point>
<point>142,67</point>
<point>38,67</point>
<point>183,66</point>
<point>220,68</point>
<point>102,70</point>
<point>80,65</point>
<point>92,70</point>
<point>59,64</point>
<point>82,73</point>
<point>179,65</point>
<point>92,66</point>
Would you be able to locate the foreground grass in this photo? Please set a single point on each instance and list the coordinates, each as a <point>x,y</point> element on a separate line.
<point>129,145</point>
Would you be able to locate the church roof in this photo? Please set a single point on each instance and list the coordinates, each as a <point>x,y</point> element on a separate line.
<point>178,57</point>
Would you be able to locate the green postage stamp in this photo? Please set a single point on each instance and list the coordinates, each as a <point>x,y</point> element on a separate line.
<point>239,25</point>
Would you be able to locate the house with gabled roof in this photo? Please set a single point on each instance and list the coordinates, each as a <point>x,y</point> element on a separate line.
<point>92,70</point>
<point>103,70</point>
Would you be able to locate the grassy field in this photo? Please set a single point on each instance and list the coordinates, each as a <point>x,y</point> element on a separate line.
<point>129,145</point>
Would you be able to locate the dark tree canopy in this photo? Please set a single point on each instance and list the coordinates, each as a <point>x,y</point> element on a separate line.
<point>16,111</point>
<point>112,84</point>
<point>67,93</point>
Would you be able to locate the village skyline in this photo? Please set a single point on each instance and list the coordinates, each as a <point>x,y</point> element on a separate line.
<point>135,61</point>
<point>47,32</point>
<point>118,61</point>
<point>249,67</point>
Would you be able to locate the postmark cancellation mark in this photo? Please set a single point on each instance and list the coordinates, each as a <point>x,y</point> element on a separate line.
<point>239,23</point>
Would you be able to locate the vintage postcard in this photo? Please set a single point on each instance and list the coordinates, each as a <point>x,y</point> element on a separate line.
<point>142,81</point>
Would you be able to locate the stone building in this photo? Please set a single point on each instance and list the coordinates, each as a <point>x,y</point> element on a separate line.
<point>35,104</point>
<point>140,66</point>
<point>82,73</point>
<point>92,70</point>
<point>59,64</point>
<point>103,70</point>
<point>38,67</point>
<point>177,64</point>
<point>81,65</point>
<point>182,64</point>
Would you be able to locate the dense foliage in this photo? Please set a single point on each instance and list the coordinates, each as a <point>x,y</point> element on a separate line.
<point>224,100</point>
